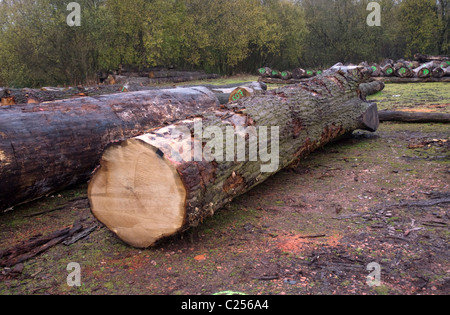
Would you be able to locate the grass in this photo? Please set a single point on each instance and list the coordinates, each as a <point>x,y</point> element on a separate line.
<point>423,96</point>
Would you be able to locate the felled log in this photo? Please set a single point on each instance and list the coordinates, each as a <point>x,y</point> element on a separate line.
<point>437,72</point>
<point>371,88</point>
<point>412,80</point>
<point>447,72</point>
<point>444,64</point>
<point>388,70</point>
<point>229,93</point>
<point>166,181</point>
<point>427,58</point>
<point>275,74</point>
<point>424,71</point>
<point>286,75</point>
<point>265,72</point>
<point>404,72</point>
<point>376,70</point>
<point>49,146</point>
<point>414,117</point>
<point>340,67</point>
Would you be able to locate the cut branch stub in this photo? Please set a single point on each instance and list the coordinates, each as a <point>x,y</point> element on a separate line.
<point>164,182</point>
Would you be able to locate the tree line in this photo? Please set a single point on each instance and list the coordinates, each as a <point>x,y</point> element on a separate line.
<point>38,47</point>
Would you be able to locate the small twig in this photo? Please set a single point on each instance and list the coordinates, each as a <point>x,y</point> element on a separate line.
<point>313,236</point>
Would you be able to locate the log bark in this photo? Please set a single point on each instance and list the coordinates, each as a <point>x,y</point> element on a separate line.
<point>164,182</point>
<point>424,71</point>
<point>411,80</point>
<point>427,58</point>
<point>404,72</point>
<point>265,72</point>
<point>226,94</point>
<point>286,75</point>
<point>416,117</point>
<point>49,146</point>
<point>437,72</point>
<point>388,70</point>
<point>371,88</point>
<point>447,72</point>
<point>376,70</point>
<point>275,74</point>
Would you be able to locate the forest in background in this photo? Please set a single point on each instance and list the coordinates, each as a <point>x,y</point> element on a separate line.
<point>38,47</point>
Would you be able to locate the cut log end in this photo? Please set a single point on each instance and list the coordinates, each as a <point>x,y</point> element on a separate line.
<point>370,120</point>
<point>123,197</point>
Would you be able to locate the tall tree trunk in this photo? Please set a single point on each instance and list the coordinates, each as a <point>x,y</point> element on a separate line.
<point>49,146</point>
<point>166,181</point>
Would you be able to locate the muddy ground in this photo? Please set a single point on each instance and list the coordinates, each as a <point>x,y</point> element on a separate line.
<point>372,198</point>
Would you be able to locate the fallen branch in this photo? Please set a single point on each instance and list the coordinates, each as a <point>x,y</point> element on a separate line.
<point>35,246</point>
<point>84,233</point>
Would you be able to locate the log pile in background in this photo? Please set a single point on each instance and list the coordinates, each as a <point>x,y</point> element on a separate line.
<point>144,192</point>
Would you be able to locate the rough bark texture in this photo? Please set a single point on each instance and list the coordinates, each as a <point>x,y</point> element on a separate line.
<point>144,191</point>
<point>371,88</point>
<point>49,146</point>
<point>425,58</point>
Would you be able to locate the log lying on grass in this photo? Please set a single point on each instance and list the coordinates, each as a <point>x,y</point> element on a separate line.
<point>49,146</point>
<point>371,88</point>
<point>164,182</point>
<point>414,117</point>
<point>426,58</point>
<point>233,92</point>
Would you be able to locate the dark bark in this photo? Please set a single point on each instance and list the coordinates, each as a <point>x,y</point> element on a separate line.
<point>417,117</point>
<point>50,146</point>
<point>35,246</point>
<point>166,195</point>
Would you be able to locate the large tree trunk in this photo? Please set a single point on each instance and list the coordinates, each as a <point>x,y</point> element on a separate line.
<point>49,146</point>
<point>166,181</point>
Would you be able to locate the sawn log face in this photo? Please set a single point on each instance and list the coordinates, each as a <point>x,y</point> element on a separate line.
<point>125,192</point>
<point>49,146</point>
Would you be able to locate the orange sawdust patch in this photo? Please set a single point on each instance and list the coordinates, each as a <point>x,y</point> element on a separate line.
<point>298,243</point>
<point>200,258</point>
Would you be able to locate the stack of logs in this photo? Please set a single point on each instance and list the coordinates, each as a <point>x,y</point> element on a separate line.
<point>423,68</point>
<point>296,74</point>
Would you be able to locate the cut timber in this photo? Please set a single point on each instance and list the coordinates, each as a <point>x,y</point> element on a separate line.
<point>240,93</point>
<point>426,58</point>
<point>49,146</point>
<point>404,72</point>
<point>152,186</point>
<point>412,80</point>
<point>265,72</point>
<point>437,72</point>
<point>417,117</point>
<point>388,70</point>
<point>226,94</point>
<point>371,88</point>
<point>286,75</point>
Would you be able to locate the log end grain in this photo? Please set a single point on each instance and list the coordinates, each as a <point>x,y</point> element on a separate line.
<point>137,194</point>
